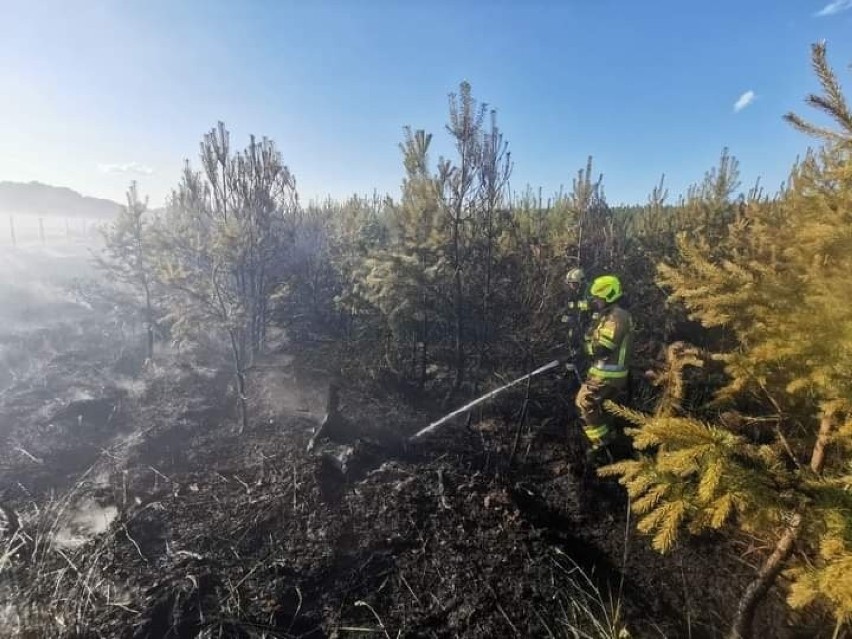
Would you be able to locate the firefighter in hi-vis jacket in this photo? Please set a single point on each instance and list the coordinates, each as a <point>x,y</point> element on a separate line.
<point>608,344</point>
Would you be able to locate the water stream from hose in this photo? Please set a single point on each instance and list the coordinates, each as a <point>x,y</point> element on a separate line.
<point>489,395</point>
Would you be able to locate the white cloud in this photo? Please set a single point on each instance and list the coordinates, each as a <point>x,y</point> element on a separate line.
<point>128,167</point>
<point>835,7</point>
<point>744,100</point>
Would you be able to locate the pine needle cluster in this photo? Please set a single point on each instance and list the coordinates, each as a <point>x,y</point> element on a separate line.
<point>775,282</point>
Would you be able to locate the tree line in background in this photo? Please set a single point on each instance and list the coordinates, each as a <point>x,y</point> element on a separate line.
<point>744,335</point>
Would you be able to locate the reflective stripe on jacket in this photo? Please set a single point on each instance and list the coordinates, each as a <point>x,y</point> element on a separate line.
<point>609,342</point>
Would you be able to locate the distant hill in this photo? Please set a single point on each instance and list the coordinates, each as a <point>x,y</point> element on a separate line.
<point>35,198</point>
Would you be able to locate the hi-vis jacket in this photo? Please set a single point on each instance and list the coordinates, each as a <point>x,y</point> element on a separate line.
<point>609,343</point>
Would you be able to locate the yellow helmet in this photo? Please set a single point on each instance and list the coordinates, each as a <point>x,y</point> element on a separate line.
<point>606,287</point>
<point>574,276</point>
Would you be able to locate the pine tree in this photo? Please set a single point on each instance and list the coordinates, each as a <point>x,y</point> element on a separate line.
<point>457,182</point>
<point>774,281</point>
<point>226,245</point>
<point>359,228</point>
<point>531,265</point>
<point>404,279</point>
<point>495,169</point>
<point>597,233</point>
<point>434,281</point>
<point>127,259</point>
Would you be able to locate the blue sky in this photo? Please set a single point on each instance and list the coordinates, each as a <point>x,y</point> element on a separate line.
<point>95,94</point>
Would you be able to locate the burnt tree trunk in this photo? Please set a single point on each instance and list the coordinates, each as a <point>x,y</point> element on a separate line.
<point>240,378</point>
<point>149,323</point>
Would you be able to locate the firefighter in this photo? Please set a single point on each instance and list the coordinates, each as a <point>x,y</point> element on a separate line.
<point>608,344</point>
<point>574,283</point>
<point>577,306</point>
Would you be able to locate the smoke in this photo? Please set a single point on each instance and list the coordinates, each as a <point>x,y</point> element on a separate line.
<point>38,269</point>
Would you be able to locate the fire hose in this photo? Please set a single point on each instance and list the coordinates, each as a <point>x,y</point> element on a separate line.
<point>489,395</point>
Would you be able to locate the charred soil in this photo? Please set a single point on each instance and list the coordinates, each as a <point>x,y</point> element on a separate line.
<point>476,531</point>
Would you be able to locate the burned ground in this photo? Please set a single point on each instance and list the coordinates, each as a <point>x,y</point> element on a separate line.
<point>472,532</point>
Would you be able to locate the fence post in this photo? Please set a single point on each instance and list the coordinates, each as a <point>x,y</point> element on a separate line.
<point>12,229</point>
